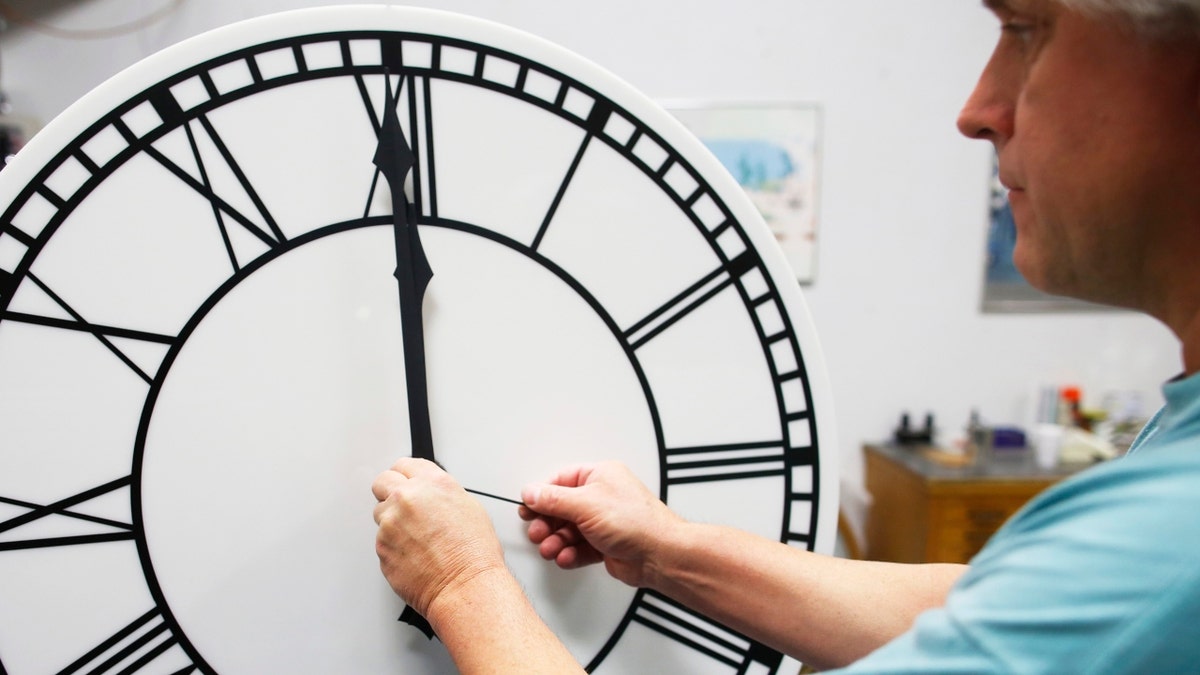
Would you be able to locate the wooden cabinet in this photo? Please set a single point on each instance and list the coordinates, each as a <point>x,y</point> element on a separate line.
<point>923,511</point>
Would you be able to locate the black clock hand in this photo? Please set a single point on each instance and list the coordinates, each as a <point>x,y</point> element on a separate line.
<point>395,159</point>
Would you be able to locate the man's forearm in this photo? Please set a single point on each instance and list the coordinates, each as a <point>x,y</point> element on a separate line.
<point>825,611</point>
<point>488,626</point>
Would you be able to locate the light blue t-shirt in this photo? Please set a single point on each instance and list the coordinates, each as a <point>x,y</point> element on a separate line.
<point>1098,574</point>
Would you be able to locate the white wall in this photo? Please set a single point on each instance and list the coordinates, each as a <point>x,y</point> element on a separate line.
<point>903,197</point>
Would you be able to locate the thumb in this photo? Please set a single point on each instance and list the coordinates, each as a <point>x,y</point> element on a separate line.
<point>554,501</point>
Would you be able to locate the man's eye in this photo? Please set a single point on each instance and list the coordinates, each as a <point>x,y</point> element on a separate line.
<point>1020,30</point>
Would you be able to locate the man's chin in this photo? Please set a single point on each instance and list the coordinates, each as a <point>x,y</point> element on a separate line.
<point>1044,275</point>
<point>1057,280</point>
<point>1032,269</point>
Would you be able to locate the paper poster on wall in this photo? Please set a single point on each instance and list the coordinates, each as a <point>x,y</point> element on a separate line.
<point>772,151</point>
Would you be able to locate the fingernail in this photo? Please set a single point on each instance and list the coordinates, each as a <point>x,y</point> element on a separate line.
<point>530,494</point>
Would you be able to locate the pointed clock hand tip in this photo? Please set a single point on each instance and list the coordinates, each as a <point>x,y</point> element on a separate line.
<point>393,156</point>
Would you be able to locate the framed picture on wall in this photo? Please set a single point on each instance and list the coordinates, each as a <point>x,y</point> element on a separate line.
<point>772,150</point>
<point>1004,289</point>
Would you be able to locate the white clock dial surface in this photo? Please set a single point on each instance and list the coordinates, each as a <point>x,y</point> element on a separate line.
<point>202,361</point>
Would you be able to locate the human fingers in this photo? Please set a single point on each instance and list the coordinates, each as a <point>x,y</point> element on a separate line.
<point>542,527</point>
<point>569,549</point>
<point>386,482</point>
<point>541,523</point>
<point>431,534</point>
<point>554,537</point>
<point>570,477</point>
<point>574,557</point>
<point>583,492</point>
<point>378,512</point>
<point>548,500</point>
<point>413,467</point>
<point>573,476</point>
<point>555,541</point>
<point>406,468</point>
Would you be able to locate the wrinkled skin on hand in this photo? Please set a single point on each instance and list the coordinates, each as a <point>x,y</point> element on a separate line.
<point>598,513</point>
<point>433,537</point>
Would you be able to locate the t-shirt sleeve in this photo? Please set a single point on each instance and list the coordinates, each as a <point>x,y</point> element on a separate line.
<point>1098,574</point>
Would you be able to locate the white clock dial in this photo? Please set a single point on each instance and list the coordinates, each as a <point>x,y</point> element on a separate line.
<point>202,363</point>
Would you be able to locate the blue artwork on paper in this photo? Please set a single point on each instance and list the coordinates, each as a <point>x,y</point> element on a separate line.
<point>771,151</point>
<point>759,165</point>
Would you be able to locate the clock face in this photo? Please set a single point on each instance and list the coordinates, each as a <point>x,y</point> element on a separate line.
<point>202,363</point>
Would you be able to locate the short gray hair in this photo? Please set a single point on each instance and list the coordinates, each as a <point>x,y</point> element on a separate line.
<point>1155,17</point>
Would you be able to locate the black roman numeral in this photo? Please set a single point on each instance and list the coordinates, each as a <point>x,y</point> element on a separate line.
<point>369,107</point>
<point>688,301</point>
<point>365,93</point>
<point>62,507</point>
<point>562,190</point>
<point>78,323</point>
<point>221,207</point>
<point>420,138</point>
<point>710,463</point>
<point>597,118</point>
<point>276,237</point>
<point>425,163</point>
<point>669,618</point>
<point>130,649</point>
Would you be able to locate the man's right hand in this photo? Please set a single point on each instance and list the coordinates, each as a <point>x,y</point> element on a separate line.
<point>599,513</point>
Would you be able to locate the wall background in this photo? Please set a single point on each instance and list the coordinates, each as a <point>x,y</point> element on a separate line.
<point>903,198</point>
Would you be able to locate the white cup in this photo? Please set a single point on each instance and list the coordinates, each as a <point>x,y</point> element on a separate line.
<point>1047,442</point>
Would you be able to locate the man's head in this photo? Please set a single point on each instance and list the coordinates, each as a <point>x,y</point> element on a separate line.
<point>1094,109</point>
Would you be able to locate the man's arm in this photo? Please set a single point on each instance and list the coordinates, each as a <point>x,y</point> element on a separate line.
<point>823,610</point>
<point>488,626</point>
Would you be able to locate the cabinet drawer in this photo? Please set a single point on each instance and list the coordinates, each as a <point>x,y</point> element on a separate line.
<point>922,512</point>
<point>976,512</point>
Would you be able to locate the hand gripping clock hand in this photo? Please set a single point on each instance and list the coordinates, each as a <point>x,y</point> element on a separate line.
<point>438,550</point>
<point>433,537</point>
<point>599,513</point>
<point>395,159</point>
